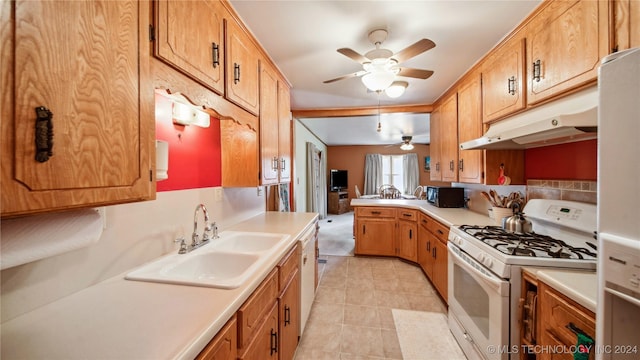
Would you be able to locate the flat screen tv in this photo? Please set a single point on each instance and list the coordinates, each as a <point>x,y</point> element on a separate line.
<point>339,180</point>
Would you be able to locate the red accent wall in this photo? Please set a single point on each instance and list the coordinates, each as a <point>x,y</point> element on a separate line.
<point>573,161</point>
<point>194,152</point>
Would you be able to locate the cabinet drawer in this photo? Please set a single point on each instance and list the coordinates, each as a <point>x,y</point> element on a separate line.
<point>408,214</point>
<point>559,311</point>
<point>425,221</point>
<point>224,345</point>
<point>376,212</point>
<point>253,311</point>
<point>439,230</point>
<point>288,267</point>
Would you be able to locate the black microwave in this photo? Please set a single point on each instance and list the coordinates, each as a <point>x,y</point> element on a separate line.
<point>445,197</point>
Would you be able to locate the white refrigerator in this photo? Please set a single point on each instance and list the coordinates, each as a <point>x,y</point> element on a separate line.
<point>618,305</point>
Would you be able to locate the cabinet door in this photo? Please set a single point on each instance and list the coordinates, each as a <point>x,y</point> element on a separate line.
<point>440,267</point>
<point>284,133</point>
<point>565,43</point>
<point>376,237</point>
<point>627,24</point>
<point>289,303</point>
<point>470,162</point>
<point>408,240</point>
<point>503,91</point>
<point>183,41</point>
<point>241,65</point>
<point>91,75</point>
<point>269,124</point>
<point>449,138</point>
<point>425,258</point>
<point>435,173</point>
<point>224,346</point>
<point>239,149</point>
<point>266,343</point>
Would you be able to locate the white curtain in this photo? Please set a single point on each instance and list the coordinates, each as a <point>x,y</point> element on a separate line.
<point>316,181</point>
<point>372,173</point>
<point>411,170</point>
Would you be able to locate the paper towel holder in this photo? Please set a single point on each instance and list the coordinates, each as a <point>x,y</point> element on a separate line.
<point>162,160</point>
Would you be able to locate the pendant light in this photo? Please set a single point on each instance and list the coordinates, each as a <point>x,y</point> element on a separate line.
<point>379,129</point>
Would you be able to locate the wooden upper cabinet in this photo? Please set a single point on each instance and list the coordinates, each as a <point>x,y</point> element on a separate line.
<point>268,124</point>
<point>626,24</point>
<point>242,68</point>
<point>284,132</point>
<point>449,138</point>
<point>92,76</point>
<point>565,43</point>
<point>503,85</point>
<point>190,37</point>
<point>469,127</point>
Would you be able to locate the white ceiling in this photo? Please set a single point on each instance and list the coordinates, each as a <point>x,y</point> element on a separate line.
<point>302,37</point>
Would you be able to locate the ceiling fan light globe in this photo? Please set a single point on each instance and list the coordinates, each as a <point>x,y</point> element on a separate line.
<point>378,80</point>
<point>406,147</point>
<point>396,89</point>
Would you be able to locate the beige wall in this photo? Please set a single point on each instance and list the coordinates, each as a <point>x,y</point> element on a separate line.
<point>135,233</point>
<point>351,158</point>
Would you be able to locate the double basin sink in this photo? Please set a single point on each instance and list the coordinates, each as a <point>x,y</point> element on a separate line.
<point>226,262</point>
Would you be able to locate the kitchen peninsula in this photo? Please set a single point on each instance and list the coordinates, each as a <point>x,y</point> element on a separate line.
<point>413,230</point>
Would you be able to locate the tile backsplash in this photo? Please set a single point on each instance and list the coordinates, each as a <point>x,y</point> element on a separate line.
<point>574,190</point>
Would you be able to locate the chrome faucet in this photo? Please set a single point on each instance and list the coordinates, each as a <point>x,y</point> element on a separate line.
<point>210,232</point>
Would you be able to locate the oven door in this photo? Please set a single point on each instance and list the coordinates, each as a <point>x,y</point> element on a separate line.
<point>479,303</point>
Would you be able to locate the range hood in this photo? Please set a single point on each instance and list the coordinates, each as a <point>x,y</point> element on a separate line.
<point>571,119</point>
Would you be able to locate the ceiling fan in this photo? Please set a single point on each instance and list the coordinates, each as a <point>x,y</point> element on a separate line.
<point>380,66</point>
<point>406,143</point>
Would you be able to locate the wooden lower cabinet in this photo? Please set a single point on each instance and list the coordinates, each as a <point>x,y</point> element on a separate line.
<point>408,240</point>
<point>289,321</point>
<point>224,345</point>
<point>375,231</point>
<point>265,343</point>
<point>425,257</point>
<point>440,264</point>
<point>556,313</point>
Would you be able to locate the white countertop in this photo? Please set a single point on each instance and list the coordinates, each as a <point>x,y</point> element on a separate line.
<point>578,285</point>
<point>122,319</point>
<point>447,216</point>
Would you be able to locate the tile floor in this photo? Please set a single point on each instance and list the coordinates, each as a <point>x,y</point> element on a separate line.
<point>351,317</point>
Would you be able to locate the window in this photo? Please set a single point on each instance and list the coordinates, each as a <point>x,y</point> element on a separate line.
<point>392,171</point>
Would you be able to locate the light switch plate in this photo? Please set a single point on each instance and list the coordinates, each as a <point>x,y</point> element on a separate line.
<point>217,194</point>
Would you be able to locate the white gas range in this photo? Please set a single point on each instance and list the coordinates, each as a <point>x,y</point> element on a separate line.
<point>485,265</point>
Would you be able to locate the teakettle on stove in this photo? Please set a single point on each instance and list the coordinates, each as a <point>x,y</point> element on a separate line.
<point>517,224</point>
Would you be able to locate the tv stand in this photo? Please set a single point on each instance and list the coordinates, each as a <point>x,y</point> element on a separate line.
<point>338,202</point>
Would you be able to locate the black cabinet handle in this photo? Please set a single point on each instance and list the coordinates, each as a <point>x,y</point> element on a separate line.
<point>284,162</point>
<point>236,73</point>
<point>512,85</point>
<point>274,342</point>
<point>434,252</point>
<point>364,229</point>
<point>215,54</point>
<point>461,165</point>
<point>428,245</point>
<point>536,70</point>
<point>44,134</point>
<point>440,232</point>
<point>410,233</point>
<point>287,315</point>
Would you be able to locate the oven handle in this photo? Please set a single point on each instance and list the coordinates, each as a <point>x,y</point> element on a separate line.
<point>499,285</point>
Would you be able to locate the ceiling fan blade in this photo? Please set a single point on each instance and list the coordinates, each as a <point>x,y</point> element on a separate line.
<point>353,55</point>
<point>414,73</point>
<point>355,74</point>
<point>413,50</point>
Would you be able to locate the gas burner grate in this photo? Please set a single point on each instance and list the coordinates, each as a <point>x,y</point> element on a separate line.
<point>525,244</point>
